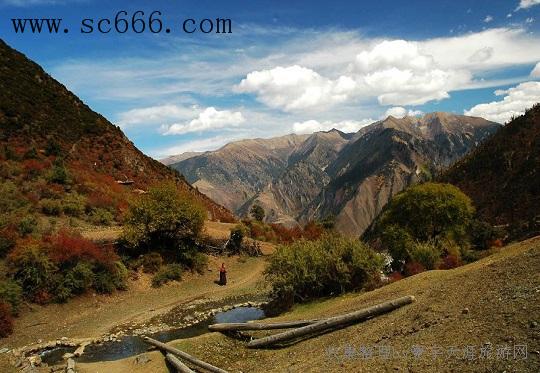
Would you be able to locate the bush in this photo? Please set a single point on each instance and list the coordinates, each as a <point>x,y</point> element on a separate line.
<point>58,174</point>
<point>31,268</point>
<point>110,278</point>
<point>8,239</point>
<point>152,262</point>
<point>413,268</point>
<point>11,293</point>
<point>6,320</point>
<point>428,254</point>
<point>50,207</point>
<point>170,272</point>
<point>27,225</point>
<point>74,204</point>
<point>67,248</point>
<point>330,265</point>
<point>11,199</point>
<point>100,216</point>
<point>236,238</point>
<point>257,212</point>
<point>77,280</point>
<point>163,219</point>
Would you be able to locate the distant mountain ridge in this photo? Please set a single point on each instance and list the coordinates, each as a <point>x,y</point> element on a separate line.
<point>297,178</point>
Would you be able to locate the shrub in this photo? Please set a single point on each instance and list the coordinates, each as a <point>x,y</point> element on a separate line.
<point>450,261</point>
<point>6,320</point>
<point>236,238</point>
<point>50,207</point>
<point>152,262</point>
<point>11,199</point>
<point>170,272</point>
<point>52,148</point>
<point>58,174</point>
<point>79,278</point>
<point>66,248</point>
<point>100,216</point>
<point>413,268</point>
<point>27,225</point>
<point>331,265</point>
<point>257,212</point>
<point>74,204</point>
<point>110,278</point>
<point>8,238</point>
<point>31,268</point>
<point>428,254</point>
<point>163,219</point>
<point>11,293</point>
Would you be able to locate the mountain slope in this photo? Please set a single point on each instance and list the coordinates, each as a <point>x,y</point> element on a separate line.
<point>387,156</point>
<point>301,178</point>
<point>502,176</point>
<point>54,146</point>
<point>238,171</point>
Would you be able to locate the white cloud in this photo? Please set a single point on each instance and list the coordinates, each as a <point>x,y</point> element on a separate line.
<point>209,119</point>
<point>488,19</point>
<point>529,20</point>
<point>155,115</point>
<point>535,73</point>
<point>295,87</point>
<point>514,103</point>
<point>401,112</point>
<point>347,126</point>
<point>524,4</point>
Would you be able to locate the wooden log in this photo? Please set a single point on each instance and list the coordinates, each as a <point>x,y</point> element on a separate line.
<point>177,364</point>
<point>332,322</point>
<point>184,355</point>
<point>260,326</point>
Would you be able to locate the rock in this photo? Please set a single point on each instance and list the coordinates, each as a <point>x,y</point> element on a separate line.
<point>465,311</point>
<point>35,360</point>
<point>142,359</point>
<point>533,324</point>
<point>4,350</point>
<point>68,356</point>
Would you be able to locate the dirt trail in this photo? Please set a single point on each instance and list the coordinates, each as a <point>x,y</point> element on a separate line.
<point>488,306</point>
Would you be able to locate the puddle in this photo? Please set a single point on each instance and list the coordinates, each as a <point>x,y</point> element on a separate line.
<point>134,345</point>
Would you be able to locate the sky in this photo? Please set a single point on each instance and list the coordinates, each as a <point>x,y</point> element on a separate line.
<point>287,66</point>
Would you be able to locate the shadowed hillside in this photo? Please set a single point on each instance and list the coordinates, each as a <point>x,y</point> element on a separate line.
<point>502,176</point>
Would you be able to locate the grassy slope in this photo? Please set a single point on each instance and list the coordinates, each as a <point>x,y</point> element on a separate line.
<point>502,293</point>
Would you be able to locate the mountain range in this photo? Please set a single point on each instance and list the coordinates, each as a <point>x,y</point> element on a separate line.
<point>348,177</point>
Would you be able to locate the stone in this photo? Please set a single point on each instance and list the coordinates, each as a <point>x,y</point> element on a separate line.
<point>142,359</point>
<point>70,364</point>
<point>465,311</point>
<point>533,324</point>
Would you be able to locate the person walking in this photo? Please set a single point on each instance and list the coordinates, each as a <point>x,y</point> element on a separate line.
<point>222,275</point>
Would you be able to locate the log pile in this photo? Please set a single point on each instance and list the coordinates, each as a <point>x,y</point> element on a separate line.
<point>304,328</point>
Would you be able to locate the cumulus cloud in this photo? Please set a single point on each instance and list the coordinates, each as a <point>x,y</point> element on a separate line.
<point>295,87</point>
<point>516,100</point>
<point>401,73</point>
<point>347,126</point>
<point>209,119</point>
<point>524,4</point>
<point>535,73</point>
<point>488,19</point>
<point>401,112</point>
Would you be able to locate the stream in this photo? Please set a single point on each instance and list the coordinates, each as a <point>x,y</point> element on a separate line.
<point>133,345</point>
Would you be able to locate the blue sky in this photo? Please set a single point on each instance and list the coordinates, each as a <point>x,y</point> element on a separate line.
<point>288,66</point>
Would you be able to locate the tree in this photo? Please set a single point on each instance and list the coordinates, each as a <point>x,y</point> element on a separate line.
<point>429,211</point>
<point>164,219</point>
<point>257,212</point>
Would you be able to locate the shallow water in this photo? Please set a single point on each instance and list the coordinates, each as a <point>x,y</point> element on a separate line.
<point>134,345</point>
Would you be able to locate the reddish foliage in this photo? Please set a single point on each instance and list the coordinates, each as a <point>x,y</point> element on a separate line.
<point>6,321</point>
<point>395,276</point>
<point>100,200</point>
<point>312,231</point>
<point>496,243</point>
<point>42,297</point>
<point>34,167</point>
<point>449,262</point>
<point>413,268</point>
<point>66,247</point>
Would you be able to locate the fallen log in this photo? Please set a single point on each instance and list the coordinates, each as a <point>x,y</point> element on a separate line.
<point>184,355</point>
<point>260,326</point>
<point>177,364</point>
<point>332,322</point>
